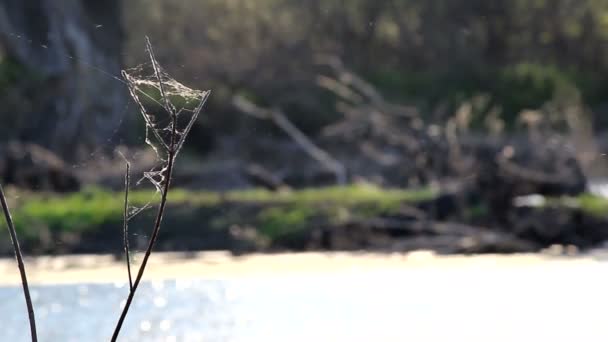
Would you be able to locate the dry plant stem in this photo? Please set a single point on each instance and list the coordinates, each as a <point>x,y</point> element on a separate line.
<point>142,268</point>
<point>125,227</point>
<point>161,209</point>
<point>21,265</point>
<point>167,104</point>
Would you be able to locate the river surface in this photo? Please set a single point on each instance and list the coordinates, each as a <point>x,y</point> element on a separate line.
<point>542,302</point>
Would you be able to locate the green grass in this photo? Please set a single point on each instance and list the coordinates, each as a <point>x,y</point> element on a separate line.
<point>588,203</point>
<point>276,215</point>
<point>353,194</point>
<point>592,204</point>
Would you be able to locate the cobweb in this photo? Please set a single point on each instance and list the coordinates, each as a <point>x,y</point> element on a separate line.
<point>169,110</point>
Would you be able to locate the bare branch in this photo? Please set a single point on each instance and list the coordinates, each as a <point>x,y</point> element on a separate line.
<point>339,89</point>
<point>167,103</point>
<point>349,86</point>
<point>300,138</point>
<point>195,114</point>
<point>350,79</point>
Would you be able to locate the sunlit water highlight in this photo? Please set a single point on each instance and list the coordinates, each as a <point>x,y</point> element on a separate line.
<point>528,303</point>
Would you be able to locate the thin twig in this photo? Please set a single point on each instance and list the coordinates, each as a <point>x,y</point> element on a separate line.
<point>26,289</point>
<point>125,227</point>
<point>157,223</point>
<point>134,94</point>
<point>161,209</point>
<point>167,103</point>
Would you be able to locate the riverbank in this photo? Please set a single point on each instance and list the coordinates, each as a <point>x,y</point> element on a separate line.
<point>351,218</point>
<point>223,265</point>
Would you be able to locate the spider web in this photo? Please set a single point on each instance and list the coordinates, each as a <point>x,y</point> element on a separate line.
<point>169,110</point>
<point>162,101</point>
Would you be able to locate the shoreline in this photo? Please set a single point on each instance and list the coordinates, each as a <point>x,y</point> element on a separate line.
<point>73,269</point>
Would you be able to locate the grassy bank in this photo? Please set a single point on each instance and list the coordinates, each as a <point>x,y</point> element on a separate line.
<point>91,220</point>
<point>275,216</point>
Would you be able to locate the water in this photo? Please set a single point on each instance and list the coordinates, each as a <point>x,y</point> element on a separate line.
<point>598,187</point>
<point>527,303</point>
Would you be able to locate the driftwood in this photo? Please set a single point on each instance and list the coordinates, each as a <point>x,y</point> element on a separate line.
<point>290,129</point>
<point>393,145</point>
<point>503,174</point>
<point>260,176</point>
<point>395,139</point>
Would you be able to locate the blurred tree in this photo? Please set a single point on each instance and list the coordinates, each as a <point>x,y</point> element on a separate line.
<point>417,51</point>
<point>57,43</point>
<point>433,54</point>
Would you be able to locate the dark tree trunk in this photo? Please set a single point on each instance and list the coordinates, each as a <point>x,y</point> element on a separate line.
<point>66,44</point>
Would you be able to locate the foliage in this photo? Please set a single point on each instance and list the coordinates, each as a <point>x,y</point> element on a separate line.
<point>510,89</point>
<point>17,95</point>
<point>431,53</point>
<point>280,222</point>
<point>10,72</point>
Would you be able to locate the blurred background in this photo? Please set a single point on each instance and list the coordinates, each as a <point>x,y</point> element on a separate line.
<point>455,126</point>
<point>404,120</point>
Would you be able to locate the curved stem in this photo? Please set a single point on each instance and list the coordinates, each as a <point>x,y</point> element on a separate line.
<point>21,265</point>
<point>125,227</point>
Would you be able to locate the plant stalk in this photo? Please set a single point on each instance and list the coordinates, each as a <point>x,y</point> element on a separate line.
<point>153,238</point>
<point>21,265</point>
<point>125,227</point>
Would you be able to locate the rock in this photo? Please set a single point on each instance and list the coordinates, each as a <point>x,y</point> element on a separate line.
<point>558,225</point>
<point>395,235</point>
